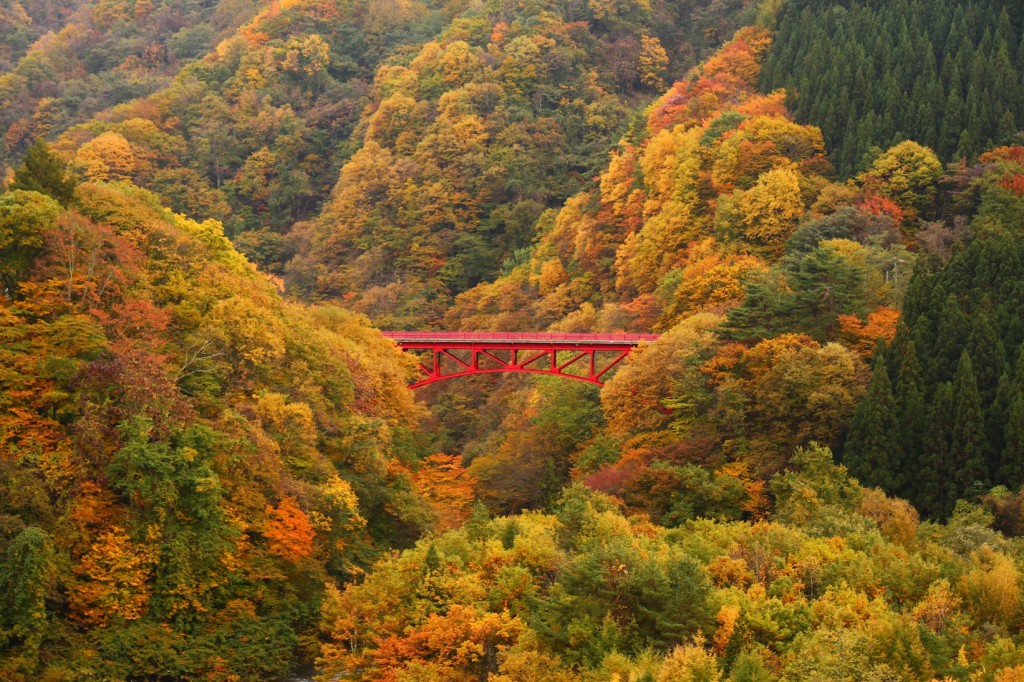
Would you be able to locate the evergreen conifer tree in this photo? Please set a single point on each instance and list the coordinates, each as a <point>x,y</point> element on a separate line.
<point>872,452</point>
<point>987,354</point>
<point>1007,128</point>
<point>824,285</point>
<point>43,171</point>
<point>995,424</point>
<point>950,338</point>
<point>757,318</point>
<point>942,74</point>
<point>896,352</point>
<point>968,444</point>
<point>1011,461</point>
<point>932,483</point>
<point>911,414</point>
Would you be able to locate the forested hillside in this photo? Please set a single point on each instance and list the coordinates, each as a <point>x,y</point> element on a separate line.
<point>943,415</point>
<point>842,583</point>
<point>773,286</point>
<point>720,224</point>
<point>185,457</point>
<point>949,75</point>
<point>22,23</point>
<point>211,467</point>
<point>470,139</point>
<point>251,133</point>
<point>251,126</point>
<point>85,61</point>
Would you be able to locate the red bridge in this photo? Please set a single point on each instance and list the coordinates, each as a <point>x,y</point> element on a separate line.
<point>584,357</point>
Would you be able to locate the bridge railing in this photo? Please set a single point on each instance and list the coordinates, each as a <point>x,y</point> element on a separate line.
<point>520,337</point>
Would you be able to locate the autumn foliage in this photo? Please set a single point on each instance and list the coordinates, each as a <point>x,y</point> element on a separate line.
<point>165,466</point>
<point>211,467</point>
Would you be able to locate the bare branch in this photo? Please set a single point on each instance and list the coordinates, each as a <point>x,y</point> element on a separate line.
<point>197,353</point>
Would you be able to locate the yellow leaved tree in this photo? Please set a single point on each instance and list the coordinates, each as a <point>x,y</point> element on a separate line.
<point>107,157</point>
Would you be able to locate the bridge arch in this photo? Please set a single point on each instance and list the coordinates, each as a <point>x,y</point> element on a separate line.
<point>583,357</point>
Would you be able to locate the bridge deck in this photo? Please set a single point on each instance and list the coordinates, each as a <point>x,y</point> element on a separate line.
<point>467,339</point>
<point>573,356</point>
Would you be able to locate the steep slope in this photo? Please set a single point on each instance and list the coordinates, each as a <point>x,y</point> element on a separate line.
<point>942,420</point>
<point>190,463</point>
<point>22,23</point>
<point>774,286</point>
<point>700,203</point>
<point>102,54</point>
<point>254,132</point>
<point>468,140</point>
<point>185,457</point>
<point>706,196</point>
<point>236,110</point>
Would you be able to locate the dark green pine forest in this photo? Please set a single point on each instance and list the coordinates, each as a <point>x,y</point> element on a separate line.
<point>936,424</point>
<point>869,74</point>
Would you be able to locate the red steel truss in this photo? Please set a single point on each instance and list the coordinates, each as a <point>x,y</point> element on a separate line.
<point>584,357</point>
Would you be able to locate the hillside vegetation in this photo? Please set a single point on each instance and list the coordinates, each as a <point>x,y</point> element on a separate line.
<point>246,111</point>
<point>185,457</point>
<point>775,287</point>
<point>211,467</point>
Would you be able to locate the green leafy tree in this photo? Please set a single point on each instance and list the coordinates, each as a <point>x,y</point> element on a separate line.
<point>171,486</point>
<point>907,174</point>
<point>28,576</point>
<point>624,601</point>
<point>24,217</point>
